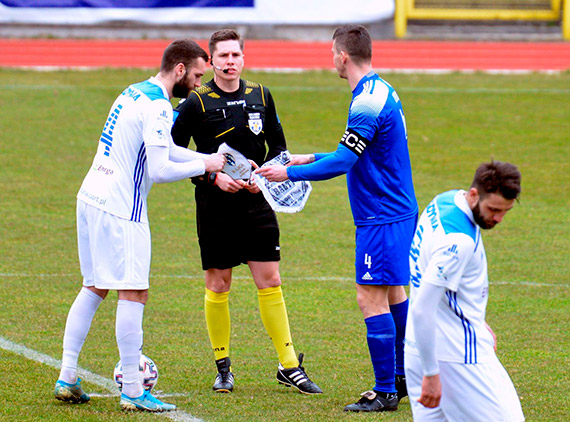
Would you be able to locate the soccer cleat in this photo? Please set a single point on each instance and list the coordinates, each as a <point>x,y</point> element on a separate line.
<point>72,393</point>
<point>298,378</point>
<point>147,402</point>
<point>401,387</point>
<point>372,402</point>
<point>224,382</point>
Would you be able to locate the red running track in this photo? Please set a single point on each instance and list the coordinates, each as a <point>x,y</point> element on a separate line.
<point>390,55</point>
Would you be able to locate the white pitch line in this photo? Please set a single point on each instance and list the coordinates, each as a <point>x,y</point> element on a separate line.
<point>285,277</point>
<point>421,90</point>
<point>87,376</point>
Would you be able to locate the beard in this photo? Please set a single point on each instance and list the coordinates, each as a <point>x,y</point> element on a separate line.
<point>480,220</point>
<point>181,89</point>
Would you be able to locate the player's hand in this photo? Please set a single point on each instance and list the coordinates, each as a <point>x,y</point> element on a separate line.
<point>431,391</point>
<point>227,184</point>
<point>494,336</point>
<point>250,185</point>
<point>277,173</point>
<point>300,159</point>
<point>214,162</point>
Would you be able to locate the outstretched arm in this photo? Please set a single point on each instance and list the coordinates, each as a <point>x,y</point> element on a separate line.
<point>325,166</point>
<point>162,169</point>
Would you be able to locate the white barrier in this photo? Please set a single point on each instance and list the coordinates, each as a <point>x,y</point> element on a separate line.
<point>164,12</point>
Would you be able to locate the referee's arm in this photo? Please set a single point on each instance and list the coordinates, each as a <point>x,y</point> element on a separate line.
<point>275,136</point>
<point>185,117</point>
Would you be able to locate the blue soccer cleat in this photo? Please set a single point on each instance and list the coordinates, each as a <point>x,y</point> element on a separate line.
<point>147,402</point>
<point>72,393</point>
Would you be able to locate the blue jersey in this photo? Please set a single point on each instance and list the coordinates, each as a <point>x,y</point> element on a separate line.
<point>373,152</point>
<point>380,183</point>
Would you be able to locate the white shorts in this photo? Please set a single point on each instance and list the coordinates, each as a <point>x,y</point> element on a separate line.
<point>114,253</point>
<point>470,393</point>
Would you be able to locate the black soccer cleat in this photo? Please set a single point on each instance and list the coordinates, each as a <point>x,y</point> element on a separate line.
<point>372,402</point>
<point>298,378</point>
<point>401,387</point>
<point>224,382</point>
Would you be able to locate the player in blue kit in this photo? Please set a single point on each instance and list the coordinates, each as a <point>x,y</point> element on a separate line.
<point>134,151</point>
<point>373,152</point>
<point>452,371</point>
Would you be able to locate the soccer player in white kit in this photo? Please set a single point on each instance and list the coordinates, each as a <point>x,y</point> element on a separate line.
<point>135,149</point>
<point>452,372</point>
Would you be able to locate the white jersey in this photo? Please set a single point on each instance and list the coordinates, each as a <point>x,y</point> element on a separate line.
<point>118,180</point>
<point>448,251</point>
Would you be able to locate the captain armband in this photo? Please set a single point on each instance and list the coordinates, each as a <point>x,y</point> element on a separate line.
<point>354,142</point>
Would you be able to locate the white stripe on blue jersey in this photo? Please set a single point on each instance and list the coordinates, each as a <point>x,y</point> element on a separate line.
<point>118,180</point>
<point>448,251</point>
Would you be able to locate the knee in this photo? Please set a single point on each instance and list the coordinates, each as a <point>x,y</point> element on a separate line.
<point>99,292</point>
<point>218,282</point>
<point>140,296</point>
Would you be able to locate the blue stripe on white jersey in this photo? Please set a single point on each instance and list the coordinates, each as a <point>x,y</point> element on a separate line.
<point>153,92</point>
<point>117,181</point>
<point>137,178</point>
<point>448,251</point>
<point>469,331</point>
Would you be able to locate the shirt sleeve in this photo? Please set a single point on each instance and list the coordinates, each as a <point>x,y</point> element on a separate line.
<point>325,167</point>
<point>180,154</point>
<point>423,313</point>
<point>157,123</point>
<point>187,117</point>
<point>162,170</point>
<point>364,116</point>
<point>448,261</point>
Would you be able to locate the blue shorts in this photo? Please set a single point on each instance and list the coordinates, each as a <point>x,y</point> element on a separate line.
<point>382,253</point>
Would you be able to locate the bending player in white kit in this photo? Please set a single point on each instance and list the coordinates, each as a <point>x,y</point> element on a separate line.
<point>135,149</point>
<point>452,372</point>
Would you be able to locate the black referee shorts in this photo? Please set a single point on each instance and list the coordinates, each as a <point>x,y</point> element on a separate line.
<point>234,228</point>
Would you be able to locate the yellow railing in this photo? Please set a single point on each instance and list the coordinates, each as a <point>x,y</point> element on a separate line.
<point>406,9</point>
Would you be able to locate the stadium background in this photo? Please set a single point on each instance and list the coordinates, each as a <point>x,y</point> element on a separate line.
<point>524,118</point>
<point>294,35</point>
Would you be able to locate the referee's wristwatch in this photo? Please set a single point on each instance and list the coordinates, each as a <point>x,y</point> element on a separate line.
<point>212,178</point>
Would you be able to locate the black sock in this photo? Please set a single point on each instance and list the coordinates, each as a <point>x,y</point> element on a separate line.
<point>384,395</point>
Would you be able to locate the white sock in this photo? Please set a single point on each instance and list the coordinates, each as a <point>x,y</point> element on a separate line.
<point>76,328</point>
<point>129,339</point>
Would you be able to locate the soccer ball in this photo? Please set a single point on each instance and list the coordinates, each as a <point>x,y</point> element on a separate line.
<point>148,372</point>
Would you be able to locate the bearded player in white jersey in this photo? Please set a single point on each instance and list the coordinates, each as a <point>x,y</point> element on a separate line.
<point>452,372</point>
<point>135,150</point>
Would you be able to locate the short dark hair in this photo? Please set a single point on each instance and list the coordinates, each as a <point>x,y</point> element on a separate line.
<point>223,35</point>
<point>356,41</point>
<point>497,177</point>
<point>183,51</point>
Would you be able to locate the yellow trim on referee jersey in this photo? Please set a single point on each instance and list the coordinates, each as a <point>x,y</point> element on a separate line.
<point>262,96</point>
<point>201,102</point>
<point>223,133</point>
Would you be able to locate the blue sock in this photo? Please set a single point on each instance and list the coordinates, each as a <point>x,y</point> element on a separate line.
<point>381,335</point>
<point>400,313</point>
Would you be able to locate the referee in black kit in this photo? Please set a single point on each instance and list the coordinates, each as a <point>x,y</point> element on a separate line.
<point>235,223</point>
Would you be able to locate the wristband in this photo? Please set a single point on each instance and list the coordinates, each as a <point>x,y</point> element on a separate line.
<point>212,178</point>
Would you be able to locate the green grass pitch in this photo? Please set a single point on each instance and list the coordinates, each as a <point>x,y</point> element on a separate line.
<point>50,123</point>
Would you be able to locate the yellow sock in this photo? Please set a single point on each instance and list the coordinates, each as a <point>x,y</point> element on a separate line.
<point>217,310</point>
<point>274,316</point>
